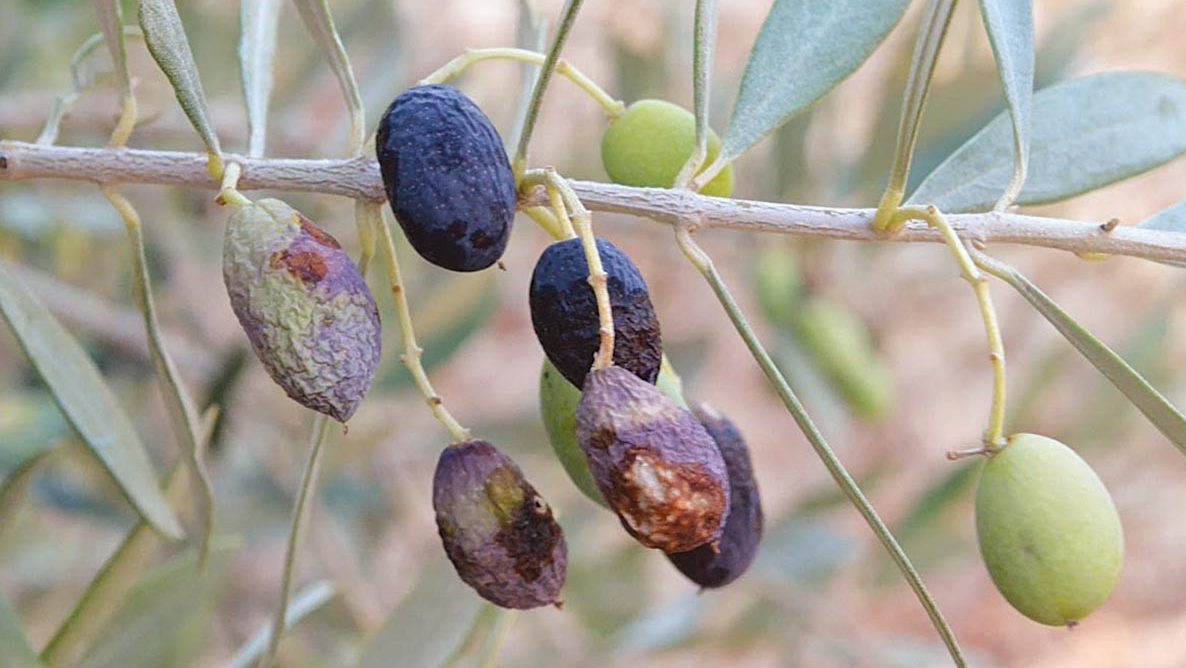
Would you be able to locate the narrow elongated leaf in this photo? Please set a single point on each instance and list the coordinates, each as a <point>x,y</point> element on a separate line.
<point>257,51</point>
<point>14,648</point>
<point>1010,27</point>
<point>428,626</point>
<point>87,402</point>
<point>1164,415</point>
<point>170,48</point>
<point>1172,219</point>
<point>805,48</point>
<point>111,20</point>
<point>1087,133</point>
<point>304,603</point>
<point>319,21</point>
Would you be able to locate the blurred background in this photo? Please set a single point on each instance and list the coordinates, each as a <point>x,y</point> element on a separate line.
<point>894,370</point>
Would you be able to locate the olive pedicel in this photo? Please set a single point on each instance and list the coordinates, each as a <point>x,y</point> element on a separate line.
<point>739,541</point>
<point>654,463</point>
<point>447,177</point>
<point>497,530</point>
<point>564,312</point>
<point>1048,531</point>
<point>305,307</point>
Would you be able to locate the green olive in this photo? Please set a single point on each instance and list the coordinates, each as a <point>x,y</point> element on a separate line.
<point>558,401</point>
<point>1048,530</point>
<point>650,142</point>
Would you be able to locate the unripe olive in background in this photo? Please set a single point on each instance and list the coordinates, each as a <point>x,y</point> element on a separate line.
<point>497,530</point>
<point>304,306</point>
<point>649,143</point>
<point>447,177</point>
<point>565,318</point>
<point>1048,531</point>
<point>840,344</point>
<point>558,401</point>
<point>654,463</point>
<point>716,566</point>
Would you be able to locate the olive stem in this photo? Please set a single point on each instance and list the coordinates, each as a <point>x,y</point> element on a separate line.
<point>994,435</point>
<point>228,190</point>
<point>848,486</point>
<point>183,414</point>
<point>936,17</point>
<point>568,17</point>
<point>498,635</point>
<point>704,32</point>
<point>317,439</point>
<point>365,223</point>
<point>546,221</point>
<point>412,350</point>
<point>612,107</point>
<point>582,223</point>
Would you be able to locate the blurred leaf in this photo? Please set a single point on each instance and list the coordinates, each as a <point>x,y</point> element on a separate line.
<point>1087,133</point>
<point>14,648</point>
<point>947,490</point>
<point>1172,219</point>
<point>1164,415</point>
<point>1010,27</point>
<point>111,20</point>
<point>320,22</point>
<point>803,50</point>
<point>157,614</point>
<point>429,624</point>
<point>803,551</point>
<point>257,50</point>
<point>170,48</point>
<point>662,627</point>
<point>30,424</point>
<point>87,402</point>
<point>14,488</point>
<point>304,603</point>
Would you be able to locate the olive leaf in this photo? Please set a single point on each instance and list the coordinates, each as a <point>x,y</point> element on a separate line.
<point>1172,219</point>
<point>111,20</point>
<point>803,50</point>
<point>320,23</point>
<point>170,49</point>
<point>1086,133</point>
<point>13,645</point>
<point>428,625</point>
<point>257,51</point>
<point>304,603</point>
<point>1163,414</point>
<point>1010,27</point>
<point>87,402</point>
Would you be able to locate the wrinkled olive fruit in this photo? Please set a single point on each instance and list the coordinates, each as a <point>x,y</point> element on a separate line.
<point>558,401</point>
<point>840,344</point>
<point>564,312</point>
<point>1048,531</point>
<point>447,177</point>
<point>654,463</point>
<point>739,541</point>
<point>648,145</point>
<point>305,307</point>
<point>497,530</point>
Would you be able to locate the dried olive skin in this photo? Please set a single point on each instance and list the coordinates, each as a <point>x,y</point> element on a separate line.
<point>564,312</point>
<point>742,534</point>
<point>497,530</point>
<point>304,306</point>
<point>654,463</point>
<point>447,177</point>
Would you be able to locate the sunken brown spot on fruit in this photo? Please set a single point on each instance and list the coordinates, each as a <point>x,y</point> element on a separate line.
<point>480,240</point>
<point>530,538</point>
<point>307,266</point>
<point>319,235</point>
<point>667,506</point>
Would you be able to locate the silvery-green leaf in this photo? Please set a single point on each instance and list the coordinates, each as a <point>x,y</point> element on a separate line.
<point>87,402</point>
<point>257,51</point>
<point>1163,414</point>
<point>111,19</point>
<point>169,46</point>
<point>303,604</point>
<point>429,624</point>
<point>319,21</point>
<point>1086,133</point>
<point>1010,26</point>
<point>14,648</point>
<point>805,48</point>
<point>1172,219</point>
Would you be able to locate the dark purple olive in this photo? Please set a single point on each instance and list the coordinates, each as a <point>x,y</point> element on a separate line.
<point>564,312</point>
<point>497,530</point>
<point>447,177</point>
<point>742,534</point>
<point>656,466</point>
